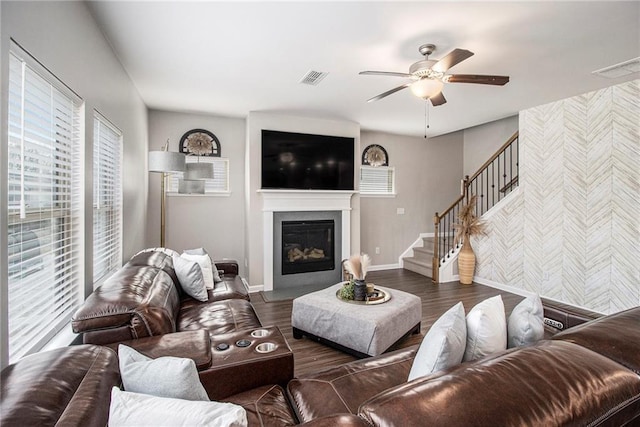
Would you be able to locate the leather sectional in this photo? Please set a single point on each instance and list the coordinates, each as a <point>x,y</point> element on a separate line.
<point>585,375</point>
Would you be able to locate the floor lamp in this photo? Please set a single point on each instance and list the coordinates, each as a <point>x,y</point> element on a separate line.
<point>165,161</point>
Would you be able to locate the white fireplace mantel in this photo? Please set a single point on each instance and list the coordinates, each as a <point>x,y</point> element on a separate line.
<point>301,201</point>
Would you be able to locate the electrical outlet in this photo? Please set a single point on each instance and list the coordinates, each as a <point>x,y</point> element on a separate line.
<point>400,211</point>
<point>377,250</point>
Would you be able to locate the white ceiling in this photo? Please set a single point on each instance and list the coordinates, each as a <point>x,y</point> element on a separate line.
<point>230,58</point>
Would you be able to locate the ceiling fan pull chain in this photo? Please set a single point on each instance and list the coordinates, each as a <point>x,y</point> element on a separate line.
<point>426,117</point>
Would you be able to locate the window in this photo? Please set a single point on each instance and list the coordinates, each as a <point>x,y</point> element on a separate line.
<point>107,198</point>
<point>44,174</point>
<point>377,181</point>
<point>219,183</point>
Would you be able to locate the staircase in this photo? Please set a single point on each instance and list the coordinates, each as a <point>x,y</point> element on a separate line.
<point>491,183</point>
<point>422,260</point>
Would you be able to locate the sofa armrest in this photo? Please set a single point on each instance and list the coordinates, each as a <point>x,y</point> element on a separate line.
<point>559,316</point>
<point>237,369</point>
<point>195,345</point>
<point>229,266</point>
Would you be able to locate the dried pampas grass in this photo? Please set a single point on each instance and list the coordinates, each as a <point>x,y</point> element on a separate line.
<point>357,266</point>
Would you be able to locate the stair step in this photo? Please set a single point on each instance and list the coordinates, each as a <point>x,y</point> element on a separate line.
<point>418,266</point>
<point>423,252</point>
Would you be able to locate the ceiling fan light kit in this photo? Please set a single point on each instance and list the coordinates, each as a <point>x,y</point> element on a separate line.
<point>426,88</point>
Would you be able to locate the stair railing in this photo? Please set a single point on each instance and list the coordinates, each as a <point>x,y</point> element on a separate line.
<point>496,178</point>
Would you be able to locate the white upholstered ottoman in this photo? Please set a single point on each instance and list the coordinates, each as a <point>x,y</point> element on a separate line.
<point>361,330</point>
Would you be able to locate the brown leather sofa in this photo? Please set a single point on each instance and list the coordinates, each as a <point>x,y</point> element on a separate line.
<point>587,375</point>
<point>71,386</point>
<point>143,306</point>
<point>144,299</point>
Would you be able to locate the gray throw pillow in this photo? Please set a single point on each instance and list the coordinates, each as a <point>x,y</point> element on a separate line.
<point>173,377</point>
<point>526,322</point>
<point>203,251</point>
<point>486,329</point>
<point>444,344</point>
<point>190,276</point>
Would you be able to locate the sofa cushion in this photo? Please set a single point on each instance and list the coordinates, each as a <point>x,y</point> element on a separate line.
<point>135,409</point>
<point>174,377</point>
<point>265,406</point>
<point>526,323</point>
<point>344,388</point>
<point>549,383</point>
<point>69,386</point>
<point>444,344</point>
<point>486,329</point>
<point>139,300</point>
<point>219,317</point>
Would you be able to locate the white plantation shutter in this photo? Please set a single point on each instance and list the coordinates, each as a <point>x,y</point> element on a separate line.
<point>44,170</point>
<point>219,183</point>
<point>107,198</point>
<point>377,180</point>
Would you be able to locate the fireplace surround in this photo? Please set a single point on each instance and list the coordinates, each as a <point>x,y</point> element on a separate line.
<point>313,205</point>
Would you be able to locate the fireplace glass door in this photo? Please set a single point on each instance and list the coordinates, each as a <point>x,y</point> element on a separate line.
<point>307,246</point>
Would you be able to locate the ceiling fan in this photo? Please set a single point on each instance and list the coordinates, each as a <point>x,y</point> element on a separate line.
<point>428,75</point>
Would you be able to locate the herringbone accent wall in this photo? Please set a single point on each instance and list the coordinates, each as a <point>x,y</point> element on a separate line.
<point>572,230</point>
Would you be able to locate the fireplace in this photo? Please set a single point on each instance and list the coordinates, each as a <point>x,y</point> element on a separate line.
<point>307,246</point>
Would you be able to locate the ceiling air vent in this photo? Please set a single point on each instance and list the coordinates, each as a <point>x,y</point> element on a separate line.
<point>619,70</point>
<point>313,77</point>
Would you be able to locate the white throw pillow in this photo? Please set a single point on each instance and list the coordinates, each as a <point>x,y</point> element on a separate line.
<point>205,265</point>
<point>190,276</point>
<point>174,377</point>
<point>203,251</point>
<point>134,409</point>
<point>526,322</point>
<point>444,344</point>
<point>486,329</point>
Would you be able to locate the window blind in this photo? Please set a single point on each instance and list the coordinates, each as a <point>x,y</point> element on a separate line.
<point>377,180</point>
<point>107,198</point>
<point>44,168</point>
<point>219,183</point>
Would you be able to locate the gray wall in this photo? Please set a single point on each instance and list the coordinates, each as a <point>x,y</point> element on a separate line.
<point>481,142</point>
<point>428,174</point>
<point>215,223</point>
<point>64,37</point>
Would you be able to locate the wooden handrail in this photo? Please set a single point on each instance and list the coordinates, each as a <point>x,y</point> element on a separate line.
<point>449,209</point>
<point>492,158</point>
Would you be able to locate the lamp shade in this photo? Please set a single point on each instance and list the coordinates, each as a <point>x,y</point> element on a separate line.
<point>426,88</point>
<point>199,171</point>
<point>166,161</point>
<point>190,186</point>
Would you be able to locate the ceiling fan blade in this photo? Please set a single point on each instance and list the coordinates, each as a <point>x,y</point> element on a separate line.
<point>456,56</point>
<point>390,92</point>
<point>384,73</point>
<point>477,78</point>
<point>438,99</point>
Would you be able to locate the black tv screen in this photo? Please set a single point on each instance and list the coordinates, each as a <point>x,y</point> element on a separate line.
<point>306,162</point>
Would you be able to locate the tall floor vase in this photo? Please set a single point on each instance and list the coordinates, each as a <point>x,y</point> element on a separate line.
<point>466,263</point>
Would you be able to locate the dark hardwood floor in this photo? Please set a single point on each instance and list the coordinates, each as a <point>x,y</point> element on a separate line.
<point>310,356</point>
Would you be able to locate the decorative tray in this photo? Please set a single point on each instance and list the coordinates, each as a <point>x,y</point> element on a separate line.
<point>378,296</point>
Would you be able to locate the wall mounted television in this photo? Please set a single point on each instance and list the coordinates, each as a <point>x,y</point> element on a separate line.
<point>299,161</point>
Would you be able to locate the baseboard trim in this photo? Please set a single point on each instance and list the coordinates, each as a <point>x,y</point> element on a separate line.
<point>503,287</point>
<point>380,267</point>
